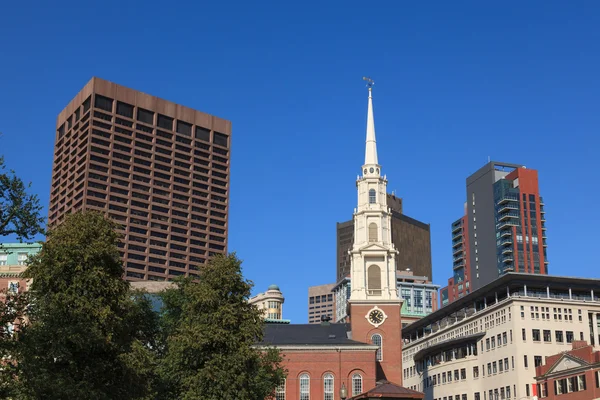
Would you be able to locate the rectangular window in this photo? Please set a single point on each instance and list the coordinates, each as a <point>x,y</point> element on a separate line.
<point>103,103</point>
<point>581,382</point>
<point>463,373</point>
<point>506,364</point>
<point>145,116</point>
<point>504,338</point>
<point>537,360</point>
<point>569,336</point>
<point>165,122</point>
<point>3,259</point>
<point>524,335</point>
<point>535,334</point>
<point>475,372</point>
<point>220,139</point>
<point>547,336</point>
<point>125,109</point>
<point>184,128</point>
<point>559,336</point>
<point>525,362</point>
<point>202,134</point>
<point>21,258</point>
<point>494,367</point>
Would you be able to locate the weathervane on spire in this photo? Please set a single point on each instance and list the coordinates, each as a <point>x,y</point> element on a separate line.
<point>370,82</point>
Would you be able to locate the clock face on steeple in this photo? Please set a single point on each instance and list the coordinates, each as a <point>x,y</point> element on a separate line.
<point>376,316</point>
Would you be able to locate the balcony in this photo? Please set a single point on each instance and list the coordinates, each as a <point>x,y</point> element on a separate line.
<point>459,264</point>
<point>506,241</point>
<point>508,215</point>
<point>457,242</point>
<point>458,257</point>
<point>457,250</point>
<point>456,228</point>
<point>541,201</point>
<point>509,223</point>
<point>511,205</point>
<point>506,233</point>
<point>508,197</point>
<point>507,258</point>
<point>507,269</point>
<point>543,217</point>
<point>507,250</point>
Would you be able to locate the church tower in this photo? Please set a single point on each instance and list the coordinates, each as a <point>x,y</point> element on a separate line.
<point>374,302</point>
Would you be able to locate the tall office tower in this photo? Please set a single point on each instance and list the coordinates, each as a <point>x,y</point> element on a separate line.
<point>158,169</point>
<point>320,303</point>
<point>411,238</point>
<point>503,230</point>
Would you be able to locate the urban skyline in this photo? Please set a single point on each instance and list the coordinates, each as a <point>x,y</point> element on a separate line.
<point>447,99</point>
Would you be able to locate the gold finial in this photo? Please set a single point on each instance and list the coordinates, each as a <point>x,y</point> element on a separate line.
<point>370,82</point>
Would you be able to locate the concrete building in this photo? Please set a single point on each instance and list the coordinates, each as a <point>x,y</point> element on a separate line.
<point>362,359</point>
<point>419,297</point>
<point>271,303</point>
<point>503,229</point>
<point>570,375</point>
<point>321,303</point>
<point>158,169</point>
<point>487,344</point>
<point>411,238</point>
<point>13,262</point>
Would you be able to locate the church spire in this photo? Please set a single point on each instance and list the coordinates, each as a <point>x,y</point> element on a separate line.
<point>371,144</point>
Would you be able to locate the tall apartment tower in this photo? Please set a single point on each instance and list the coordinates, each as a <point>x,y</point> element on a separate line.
<point>158,169</point>
<point>503,229</point>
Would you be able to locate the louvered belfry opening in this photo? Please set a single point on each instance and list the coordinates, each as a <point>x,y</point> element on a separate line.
<point>374,280</point>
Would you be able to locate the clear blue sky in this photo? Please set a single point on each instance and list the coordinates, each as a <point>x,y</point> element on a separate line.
<point>456,82</point>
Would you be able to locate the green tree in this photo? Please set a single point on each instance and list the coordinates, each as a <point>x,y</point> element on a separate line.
<point>87,336</point>
<point>210,333</point>
<point>19,211</point>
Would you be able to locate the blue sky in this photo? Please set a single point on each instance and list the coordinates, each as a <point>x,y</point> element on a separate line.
<point>456,82</point>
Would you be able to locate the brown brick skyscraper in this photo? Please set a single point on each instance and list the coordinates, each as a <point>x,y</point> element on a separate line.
<point>159,169</point>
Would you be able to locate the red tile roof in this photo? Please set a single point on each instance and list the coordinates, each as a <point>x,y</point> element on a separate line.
<point>389,390</point>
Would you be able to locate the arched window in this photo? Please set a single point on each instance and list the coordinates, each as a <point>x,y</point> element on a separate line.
<point>304,387</point>
<point>372,196</point>
<point>377,341</point>
<point>328,387</point>
<point>356,384</point>
<point>374,280</point>
<point>372,232</point>
<point>280,391</point>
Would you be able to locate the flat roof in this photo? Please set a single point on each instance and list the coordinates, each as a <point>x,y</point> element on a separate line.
<point>510,279</point>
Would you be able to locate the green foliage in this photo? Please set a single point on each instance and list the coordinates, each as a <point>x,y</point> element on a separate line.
<point>88,337</point>
<point>209,335</point>
<point>19,211</point>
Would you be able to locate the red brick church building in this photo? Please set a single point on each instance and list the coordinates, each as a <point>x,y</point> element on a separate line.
<point>363,358</point>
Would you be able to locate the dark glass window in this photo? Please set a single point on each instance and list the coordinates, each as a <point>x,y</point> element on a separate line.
<point>125,109</point>
<point>184,128</point>
<point>531,197</point>
<point>86,104</point>
<point>203,134</point>
<point>61,131</point>
<point>221,139</point>
<point>165,122</point>
<point>145,116</point>
<point>103,103</point>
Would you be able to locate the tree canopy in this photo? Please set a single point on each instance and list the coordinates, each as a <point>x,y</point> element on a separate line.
<point>19,211</point>
<point>210,332</point>
<point>87,336</point>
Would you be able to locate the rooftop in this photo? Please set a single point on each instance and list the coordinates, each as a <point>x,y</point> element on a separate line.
<point>308,335</point>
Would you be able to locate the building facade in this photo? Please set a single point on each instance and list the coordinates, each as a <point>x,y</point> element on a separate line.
<point>13,262</point>
<point>487,344</point>
<point>321,303</point>
<point>270,302</point>
<point>411,237</point>
<point>158,169</point>
<point>570,375</point>
<point>503,229</point>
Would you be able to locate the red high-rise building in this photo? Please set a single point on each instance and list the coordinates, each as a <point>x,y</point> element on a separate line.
<point>503,229</point>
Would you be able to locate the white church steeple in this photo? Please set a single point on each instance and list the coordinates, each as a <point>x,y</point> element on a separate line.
<point>371,147</point>
<point>373,255</point>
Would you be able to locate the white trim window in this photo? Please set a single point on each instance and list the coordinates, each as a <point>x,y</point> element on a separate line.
<point>21,258</point>
<point>328,387</point>
<point>378,341</point>
<point>280,391</point>
<point>304,387</point>
<point>357,382</point>
<point>3,258</point>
